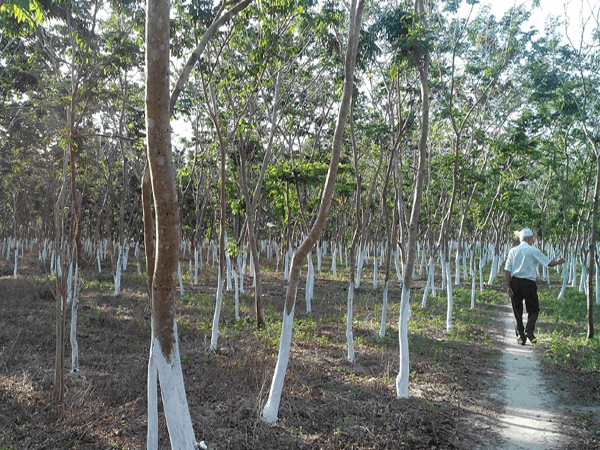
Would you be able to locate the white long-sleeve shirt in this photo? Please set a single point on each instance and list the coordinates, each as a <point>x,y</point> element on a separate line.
<point>521,261</point>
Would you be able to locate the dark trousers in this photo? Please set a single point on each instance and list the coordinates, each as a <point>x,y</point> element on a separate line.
<point>524,290</point>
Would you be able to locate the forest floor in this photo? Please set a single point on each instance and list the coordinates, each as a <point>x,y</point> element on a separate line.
<point>457,390</point>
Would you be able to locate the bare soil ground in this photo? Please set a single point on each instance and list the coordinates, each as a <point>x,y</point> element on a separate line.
<point>328,403</point>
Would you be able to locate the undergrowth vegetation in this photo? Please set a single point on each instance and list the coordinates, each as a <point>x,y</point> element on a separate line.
<point>563,328</point>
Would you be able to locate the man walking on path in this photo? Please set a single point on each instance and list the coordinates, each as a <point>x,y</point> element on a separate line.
<point>520,276</point>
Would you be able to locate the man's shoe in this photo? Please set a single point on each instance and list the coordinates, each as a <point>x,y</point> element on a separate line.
<point>532,338</point>
<point>522,340</point>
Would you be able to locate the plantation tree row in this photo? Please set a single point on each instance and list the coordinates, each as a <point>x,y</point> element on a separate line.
<point>407,133</point>
<point>509,117</point>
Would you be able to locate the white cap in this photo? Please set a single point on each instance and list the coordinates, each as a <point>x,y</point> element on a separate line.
<point>525,232</point>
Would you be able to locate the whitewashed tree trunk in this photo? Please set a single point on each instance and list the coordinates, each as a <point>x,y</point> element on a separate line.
<point>125,255</point>
<point>397,263</point>
<point>73,334</point>
<point>215,327</point>
<point>270,411</point>
<point>384,309</point>
<point>241,267</point>
<point>375,272</point>
<point>229,285</point>
<point>422,61</point>
<point>319,256</point>
<point>180,278</point>
<point>333,259</point>
<point>449,324</point>
<point>444,273</point>
<point>473,281</point>
<point>565,276</point>
<point>310,281</point>
<point>403,373</point>
<point>179,423</point>
<point>15,272</point>
<point>271,408</point>
<point>429,283</point>
<point>349,320</point>
<point>286,266</point>
<point>481,282</point>
<point>359,266</point>
<point>457,268</point>
<point>582,284</point>
<point>597,283</point>
<point>152,431</point>
<point>573,275</point>
<point>237,295</point>
<point>196,267</point>
<point>493,270</point>
<point>117,275</point>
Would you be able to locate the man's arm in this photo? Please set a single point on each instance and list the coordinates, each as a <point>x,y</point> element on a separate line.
<point>556,262</point>
<point>507,282</point>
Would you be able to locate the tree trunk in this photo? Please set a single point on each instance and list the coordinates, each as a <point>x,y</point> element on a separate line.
<point>271,409</point>
<point>422,61</point>
<point>592,264</point>
<point>164,351</point>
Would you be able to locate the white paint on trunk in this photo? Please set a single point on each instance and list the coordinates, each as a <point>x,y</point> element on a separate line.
<point>473,284</point>
<point>195,267</point>
<point>215,328</point>
<point>15,272</point>
<point>269,412</point>
<point>493,270</point>
<point>563,288</point>
<point>241,265</point>
<point>229,285</point>
<point>444,273</point>
<point>573,272</point>
<point>457,268</point>
<point>360,256</point>
<point>237,295</point>
<point>582,278</point>
<point>117,276</point>
<point>319,257</point>
<point>449,324</point>
<point>73,334</point>
<point>403,373</point>
<point>152,432</point>
<point>349,320</point>
<point>481,283</point>
<point>429,283</point>
<point>384,309</point>
<point>333,259</point>
<point>375,280</point>
<point>310,281</point>
<point>286,266</point>
<point>180,277</point>
<point>125,256</point>
<point>597,284</point>
<point>177,413</point>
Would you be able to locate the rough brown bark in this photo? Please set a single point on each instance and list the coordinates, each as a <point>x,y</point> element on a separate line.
<point>162,174</point>
<point>148,226</point>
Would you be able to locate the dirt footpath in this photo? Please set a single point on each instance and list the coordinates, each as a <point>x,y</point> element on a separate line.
<point>533,417</point>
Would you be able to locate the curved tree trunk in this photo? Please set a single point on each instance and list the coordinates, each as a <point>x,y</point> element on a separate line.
<point>164,351</point>
<point>271,409</point>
